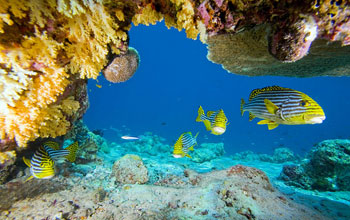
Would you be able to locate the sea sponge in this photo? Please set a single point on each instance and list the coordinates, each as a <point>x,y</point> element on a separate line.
<point>123,67</point>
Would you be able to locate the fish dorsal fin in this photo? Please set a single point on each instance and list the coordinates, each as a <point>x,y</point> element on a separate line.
<point>209,113</point>
<point>251,116</point>
<point>271,108</point>
<point>255,92</point>
<point>52,144</point>
<point>26,161</point>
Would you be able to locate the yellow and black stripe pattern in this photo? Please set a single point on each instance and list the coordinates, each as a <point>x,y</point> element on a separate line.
<point>278,105</point>
<point>42,164</point>
<point>184,143</point>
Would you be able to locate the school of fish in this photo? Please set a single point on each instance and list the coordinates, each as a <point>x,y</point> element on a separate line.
<point>275,105</point>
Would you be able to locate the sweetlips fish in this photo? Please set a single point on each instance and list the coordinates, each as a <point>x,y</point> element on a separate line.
<point>185,143</point>
<point>277,105</point>
<point>42,165</point>
<point>214,121</point>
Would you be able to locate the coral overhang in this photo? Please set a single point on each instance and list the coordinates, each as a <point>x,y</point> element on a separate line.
<point>47,45</point>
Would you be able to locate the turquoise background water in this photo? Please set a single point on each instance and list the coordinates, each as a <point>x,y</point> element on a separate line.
<point>175,77</point>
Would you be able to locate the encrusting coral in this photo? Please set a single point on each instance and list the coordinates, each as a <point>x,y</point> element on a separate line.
<point>47,45</point>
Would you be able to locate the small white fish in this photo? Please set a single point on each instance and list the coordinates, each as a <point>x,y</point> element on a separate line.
<point>130,138</point>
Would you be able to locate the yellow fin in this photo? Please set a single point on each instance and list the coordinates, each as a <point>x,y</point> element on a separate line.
<point>264,122</point>
<point>52,144</point>
<point>272,126</point>
<point>200,112</point>
<point>251,116</point>
<point>255,92</point>
<point>72,151</point>
<point>187,155</point>
<point>271,108</point>
<point>29,178</point>
<point>242,104</point>
<point>207,125</point>
<point>209,113</point>
<point>26,161</point>
<point>191,148</point>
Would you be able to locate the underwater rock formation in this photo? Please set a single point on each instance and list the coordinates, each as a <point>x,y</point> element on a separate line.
<point>122,67</point>
<point>326,168</point>
<point>280,155</point>
<point>130,169</point>
<point>236,193</point>
<point>207,152</point>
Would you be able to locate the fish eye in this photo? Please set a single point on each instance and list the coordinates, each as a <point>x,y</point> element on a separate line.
<point>304,103</point>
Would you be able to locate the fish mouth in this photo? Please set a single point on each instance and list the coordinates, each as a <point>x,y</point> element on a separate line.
<point>317,119</point>
<point>219,130</point>
<point>177,155</point>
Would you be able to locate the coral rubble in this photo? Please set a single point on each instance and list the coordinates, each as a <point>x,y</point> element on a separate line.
<point>280,155</point>
<point>326,168</point>
<point>208,151</point>
<point>236,193</point>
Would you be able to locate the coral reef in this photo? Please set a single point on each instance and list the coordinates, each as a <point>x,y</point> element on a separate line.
<point>236,193</point>
<point>207,152</point>
<point>130,169</point>
<point>326,168</point>
<point>148,144</point>
<point>48,47</point>
<point>280,155</point>
<point>122,67</point>
<point>7,160</point>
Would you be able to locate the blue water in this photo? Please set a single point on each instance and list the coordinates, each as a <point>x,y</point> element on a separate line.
<point>175,77</point>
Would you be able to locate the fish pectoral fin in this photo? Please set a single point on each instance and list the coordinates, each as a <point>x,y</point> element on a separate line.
<point>271,108</point>
<point>207,125</point>
<point>272,126</point>
<point>251,116</point>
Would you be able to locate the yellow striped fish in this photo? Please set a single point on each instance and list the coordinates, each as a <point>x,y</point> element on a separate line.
<point>214,121</point>
<point>42,165</point>
<point>185,143</point>
<point>277,105</point>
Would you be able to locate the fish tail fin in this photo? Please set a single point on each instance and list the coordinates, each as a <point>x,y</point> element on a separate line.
<point>72,151</point>
<point>242,104</point>
<point>26,161</point>
<point>200,114</point>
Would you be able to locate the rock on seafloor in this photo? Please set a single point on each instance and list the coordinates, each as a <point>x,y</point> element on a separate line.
<point>326,168</point>
<point>236,193</point>
<point>130,169</point>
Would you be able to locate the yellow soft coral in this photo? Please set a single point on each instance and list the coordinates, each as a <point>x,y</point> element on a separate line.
<point>147,16</point>
<point>185,18</point>
<point>7,157</point>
